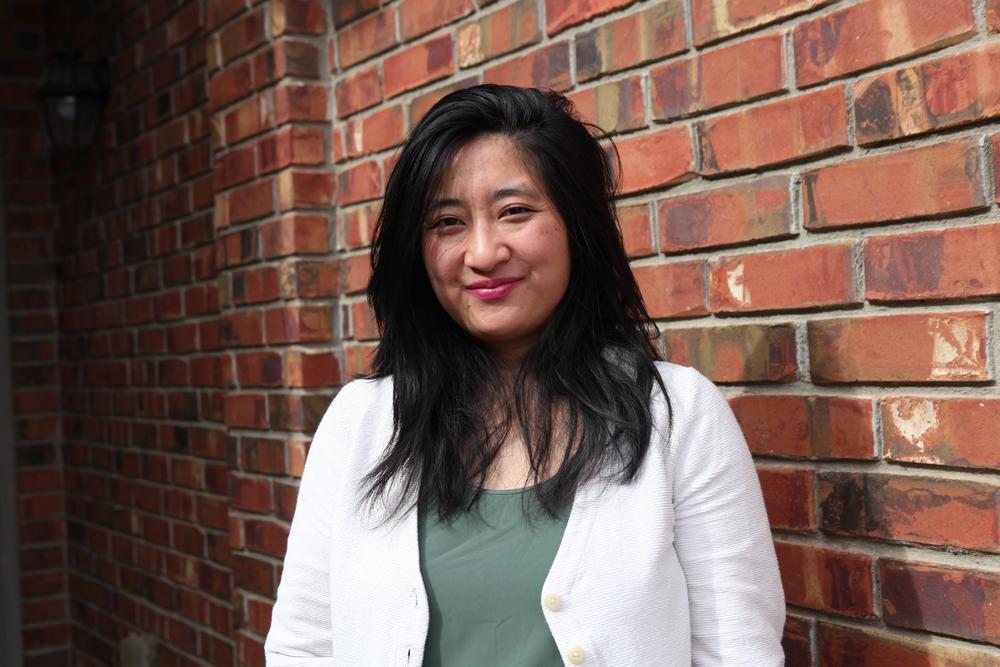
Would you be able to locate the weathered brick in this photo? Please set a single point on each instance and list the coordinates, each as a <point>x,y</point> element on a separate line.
<point>250,201</point>
<point>964,603</point>
<point>841,645</point>
<point>300,102</point>
<point>637,234</point>
<point>357,224</point>
<point>247,119</point>
<point>789,129</point>
<point>418,65</point>
<point>254,285</point>
<point>242,328</point>
<point>635,39</point>
<point>309,279</point>
<point>219,11</point>
<point>358,183</point>
<point>911,509</point>
<point>930,180</point>
<point>753,211</point>
<point>661,158</point>
<point>946,264</point>
<point>715,19</point>
<point>242,35</point>
<point>827,46</point>
<point>365,327</point>
<point>562,14</point>
<point>318,369</point>
<point>231,84</point>
<point>345,11</point>
<point>826,427</point>
<point>921,347</point>
<point>830,580</point>
<point>355,271</point>
<point>358,359</point>
<point>236,166</point>
<point>933,95</point>
<point>299,324</point>
<point>789,496</point>
<point>368,37</point>
<point>614,107</point>
<point>382,129</point>
<point>784,280</point>
<point>993,15</point>
<point>546,67</point>
<point>295,234</point>
<point>358,91</point>
<point>738,73</point>
<point>286,58</point>
<point>422,103</point>
<point>246,411</point>
<point>499,32</point>
<point>291,145</point>
<point>745,353</point>
<point>796,641</point>
<point>673,290</point>
<point>417,17</point>
<point>297,16</point>
<point>305,189</point>
<point>259,369</point>
<point>950,431</point>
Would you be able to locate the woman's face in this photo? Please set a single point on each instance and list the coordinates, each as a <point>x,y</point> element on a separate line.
<point>495,248</point>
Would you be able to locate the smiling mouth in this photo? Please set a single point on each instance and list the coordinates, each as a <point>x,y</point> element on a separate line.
<point>490,290</point>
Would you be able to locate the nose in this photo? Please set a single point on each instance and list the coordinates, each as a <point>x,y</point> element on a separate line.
<point>487,248</point>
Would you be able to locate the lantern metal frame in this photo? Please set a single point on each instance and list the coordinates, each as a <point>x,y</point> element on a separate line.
<point>72,98</point>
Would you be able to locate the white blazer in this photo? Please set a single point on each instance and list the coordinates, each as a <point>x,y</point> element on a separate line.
<point>676,568</point>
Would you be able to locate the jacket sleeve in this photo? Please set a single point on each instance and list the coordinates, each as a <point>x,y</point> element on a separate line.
<point>301,632</point>
<point>723,539</point>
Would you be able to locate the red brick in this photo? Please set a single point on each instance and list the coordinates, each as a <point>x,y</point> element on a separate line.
<point>958,432</point>
<point>244,34</point>
<point>993,15</point>
<point>789,129</point>
<point>246,411</point>
<point>358,91</point>
<point>233,167</point>
<point>417,17</point>
<point>259,369</point>
<point>546,67</point>
<point>319,369</point>
<point>254,285</point>
<point>930,180</point>
<point>737,73</point>
<point>297,16</point>
<point>358,359</point>
<point>299,324</point>
<point>796,641</point>
<point>355,272</point>
<point>418,65</point>
<point>251,201</point>
<point>635,39</point>
<point>829,580</point>
<point>942,599</point>
<point>784,280</point>
<point>300,101</point>
<point>382,129</point>
<point>235,249</point>
<point>305,189</point>
<point>345,11</point>
<point>673,290</point>
<point>828,46</point>
<point>715,19</point>
<point>294,144</point>
<point>295,234</point>
<point>921,347</point>
<point>665,157</point>
<point>826,427</point>
<point>613,107</point>
<point>933,95</point>
<point>219,11</point>
<point>250,117</point>
<point>358,183</point>
<point>746,353</point>
<point>231,84</point>
<point>266,536</point>
<point>911,509</point>
<point>637,234</point>
<point>498,33</point>
<point>363,319</point>
<point>851,646</point>
<point>946,264</point>
<point>562,14</point>
<point>753,211</point>
<point>242,328</point>
<point>368,37</point>
<point>286,58</point>
<point>790,497</point>
<point>356,226</point>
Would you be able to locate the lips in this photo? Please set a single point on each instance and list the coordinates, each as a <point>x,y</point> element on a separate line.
<point>495,288</point>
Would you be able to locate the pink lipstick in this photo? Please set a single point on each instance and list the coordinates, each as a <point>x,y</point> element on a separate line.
<point>490,290</point>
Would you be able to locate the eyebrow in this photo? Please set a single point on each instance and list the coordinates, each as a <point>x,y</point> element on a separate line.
<point>509,191</point>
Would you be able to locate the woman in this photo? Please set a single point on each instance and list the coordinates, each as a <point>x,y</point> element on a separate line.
<point>520,481</point>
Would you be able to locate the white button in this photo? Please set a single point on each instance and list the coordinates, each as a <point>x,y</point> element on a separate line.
<point>553,602</point>
<point>576,655</point>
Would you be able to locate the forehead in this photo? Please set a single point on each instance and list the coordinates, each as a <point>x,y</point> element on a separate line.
<point>486,164</point>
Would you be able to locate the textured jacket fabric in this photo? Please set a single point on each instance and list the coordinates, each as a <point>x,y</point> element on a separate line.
<point>676,568</point>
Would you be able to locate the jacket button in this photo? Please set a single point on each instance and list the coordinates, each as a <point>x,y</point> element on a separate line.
<point>576,655</point>
<point>553,602</point>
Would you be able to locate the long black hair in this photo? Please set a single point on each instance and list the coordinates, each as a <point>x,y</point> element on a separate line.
<point>595,356</point>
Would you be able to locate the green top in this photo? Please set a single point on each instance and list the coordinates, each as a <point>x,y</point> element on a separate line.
<point>484,573</point>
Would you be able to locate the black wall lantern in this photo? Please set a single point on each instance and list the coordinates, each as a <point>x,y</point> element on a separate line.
<point>72,98</point>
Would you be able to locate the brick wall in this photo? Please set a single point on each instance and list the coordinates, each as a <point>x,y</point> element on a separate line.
<point>811,207</point>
